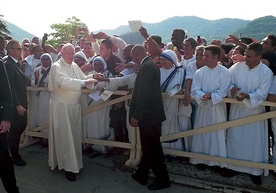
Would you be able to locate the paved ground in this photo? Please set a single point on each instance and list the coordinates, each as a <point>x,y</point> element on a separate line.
<point>108,174</point>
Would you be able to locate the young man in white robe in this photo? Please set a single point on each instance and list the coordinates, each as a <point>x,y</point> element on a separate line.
<point>250,84</point>
<point>65,125</point>
<point>209,87</point>
<point>272,97</point>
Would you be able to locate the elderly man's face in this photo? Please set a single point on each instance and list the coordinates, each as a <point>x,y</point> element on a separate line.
<point>68,54</point>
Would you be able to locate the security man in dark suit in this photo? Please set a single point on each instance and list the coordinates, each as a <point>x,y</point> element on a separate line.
<point>19,92</point>
<point>6,111</point>
<point>146,112</point>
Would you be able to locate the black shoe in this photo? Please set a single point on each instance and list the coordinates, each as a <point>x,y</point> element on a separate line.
<point>228,173</point>
<point>138,179</point>
<point>94,154</point>
<point>256,179</point>
<point>217,169</point>
<point>158,186</point>
<point>43,143</point>
<point>70,176</point>
<point>19,162</point>
<point>167,158</point>
<point>87,150</point>
<point>274,176</point>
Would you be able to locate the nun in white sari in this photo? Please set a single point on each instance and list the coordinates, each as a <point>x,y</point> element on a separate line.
<point>172,81</point>
<point>96,124</point>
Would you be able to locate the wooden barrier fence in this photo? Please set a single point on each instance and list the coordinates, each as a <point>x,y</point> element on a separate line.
<point>135,146</point>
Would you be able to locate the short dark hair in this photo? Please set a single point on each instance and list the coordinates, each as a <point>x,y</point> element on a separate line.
<point>181,31</point>
<point>256,47</point>
<point>108,43</point>
<point>227,47</point>
<point>214,49</point>
<point>273,39</point>
<point>157,39</point>
<point>192,42</point>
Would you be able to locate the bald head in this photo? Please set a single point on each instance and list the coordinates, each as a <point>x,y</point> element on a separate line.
<point>138,53</point>
<point>139,49</point>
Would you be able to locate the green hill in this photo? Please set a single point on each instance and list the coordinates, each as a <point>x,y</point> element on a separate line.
<point>259,28</point>
<point>194,26</point>
<point>18,33</point>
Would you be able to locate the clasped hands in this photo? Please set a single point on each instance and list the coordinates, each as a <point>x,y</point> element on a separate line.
<point>206,96</point>
<point>235,92</point>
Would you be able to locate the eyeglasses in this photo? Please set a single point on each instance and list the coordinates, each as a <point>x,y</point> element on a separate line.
<point>19,49</point>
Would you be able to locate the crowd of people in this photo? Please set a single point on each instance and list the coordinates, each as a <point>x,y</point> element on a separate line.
<point>239,68</point>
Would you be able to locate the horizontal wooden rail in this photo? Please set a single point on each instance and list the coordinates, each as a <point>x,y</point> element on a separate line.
<point>135,145</point>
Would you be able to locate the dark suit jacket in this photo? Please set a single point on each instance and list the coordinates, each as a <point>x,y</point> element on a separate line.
<point>146,103</point>
<point>18,83</point>
<point>6,101</point>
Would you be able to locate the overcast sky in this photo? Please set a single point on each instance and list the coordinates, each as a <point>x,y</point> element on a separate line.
<point>36,16</point>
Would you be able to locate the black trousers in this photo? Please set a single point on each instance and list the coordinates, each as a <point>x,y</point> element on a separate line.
<point>152,155</point>
<point>6,166</point>
<point>18,126</point>
<point>118,122</point>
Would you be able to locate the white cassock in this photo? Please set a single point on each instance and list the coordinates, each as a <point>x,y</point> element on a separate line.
<point>191,68</point>
<point>174,122</point>
<point>272,90</point>
<point>96,124</point>
<point>185,62</point>
<point>43,97</point>
<point>65,125</point>
<point>215,81</point>
<point>250,141</point>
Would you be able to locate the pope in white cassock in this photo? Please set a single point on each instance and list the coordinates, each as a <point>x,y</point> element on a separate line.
<point>65,125</point>
<point>209,87</point>
<point>251,81</point>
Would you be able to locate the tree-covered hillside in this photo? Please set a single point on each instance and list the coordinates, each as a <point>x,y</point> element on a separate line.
<point>194,26</point>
